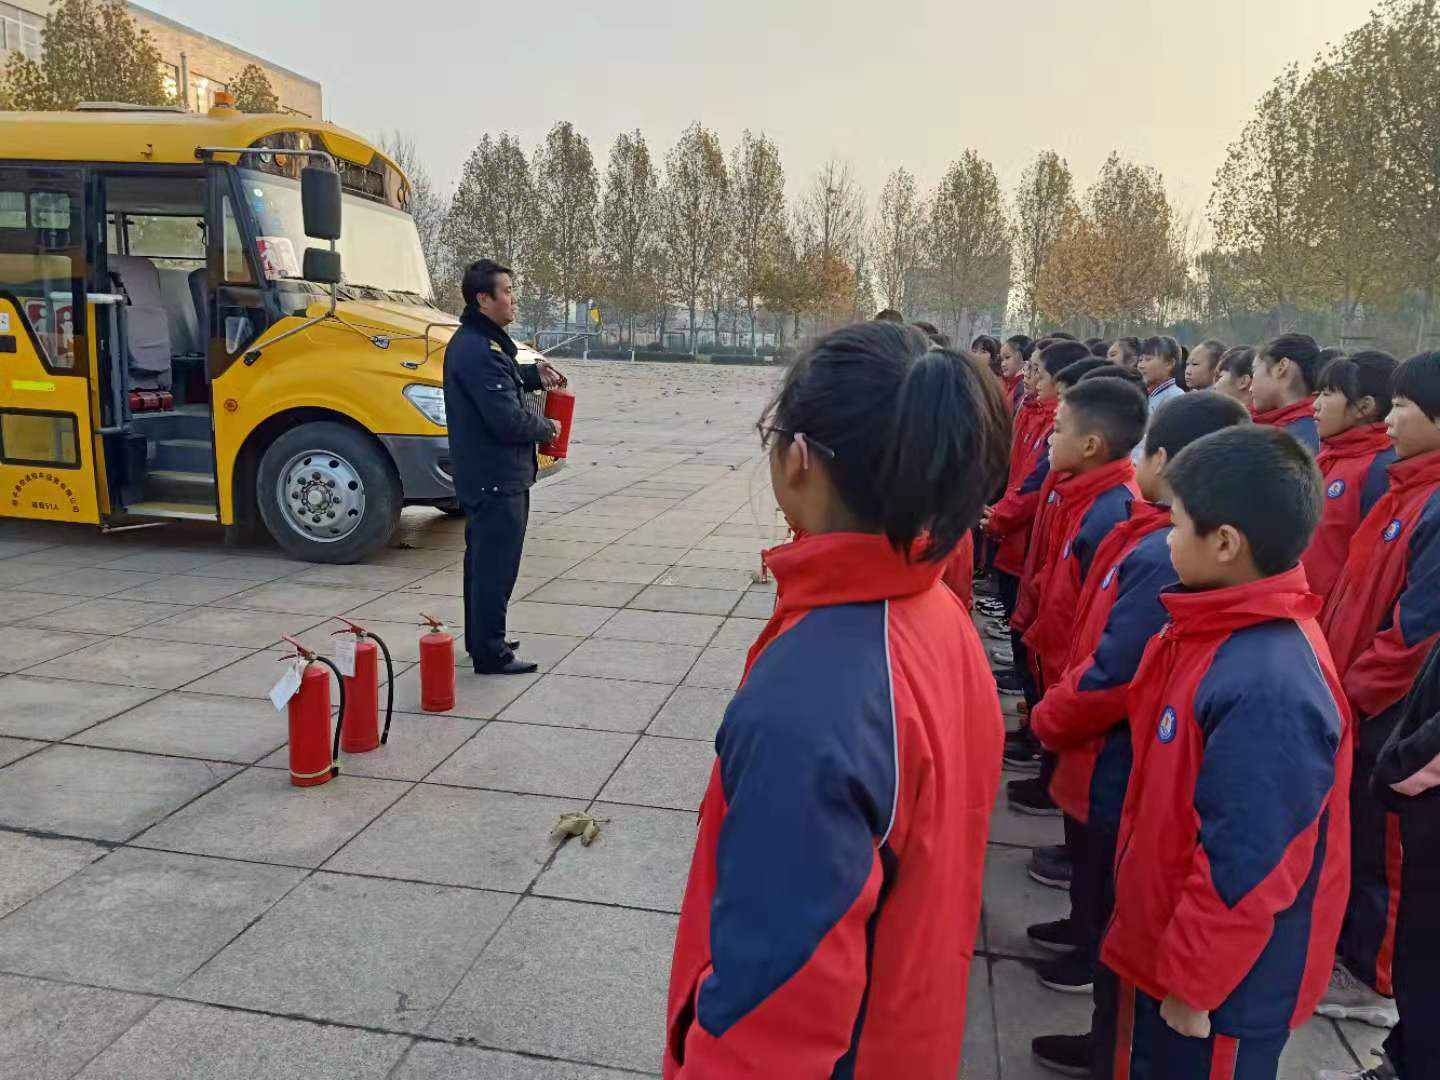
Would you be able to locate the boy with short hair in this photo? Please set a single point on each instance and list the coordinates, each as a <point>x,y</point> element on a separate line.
<point>1282,387</point>
<point>1234,840</point>
<point>1083,715</point>
<point>1381,618</point>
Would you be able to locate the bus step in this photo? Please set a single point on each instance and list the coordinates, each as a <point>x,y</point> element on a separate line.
<point>180,510</point>
<point>177,486</point>
<point>184,455</point>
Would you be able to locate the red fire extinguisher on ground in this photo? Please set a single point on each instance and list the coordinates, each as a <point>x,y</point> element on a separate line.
<point>313,758</point>
<point>560,407</point>
<point>437,667</point>
<point>362,698</point>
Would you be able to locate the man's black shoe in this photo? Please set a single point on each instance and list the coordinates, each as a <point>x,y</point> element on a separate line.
<point>1008,682</point>
<point>1030,796</point>
<point>513,666</point>
<point>1050,866</point>
<point>1070,1055</point>
<point>512,645</point>
<point>1057,936</point>
<point>1022,751</point>
<point>1068,974</point>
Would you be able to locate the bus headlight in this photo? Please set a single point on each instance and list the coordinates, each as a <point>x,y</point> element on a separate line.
<point>430,400</point>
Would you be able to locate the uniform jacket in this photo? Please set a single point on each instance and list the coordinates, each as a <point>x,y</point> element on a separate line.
<point>1354,465</point>
<point>1407,776</point>
<point>1037,547</point>
<point>493,430</point>
<point>1155,397</point>
<point>834,894</point>
<point>1086,508</point>
<point>1298,419</point>
<point>1014,390</point>
<point>1029,465</point>
<point>1234,859</point>
<point>959,572</point>
<point>1083,715</point>
<point>1383,614</point>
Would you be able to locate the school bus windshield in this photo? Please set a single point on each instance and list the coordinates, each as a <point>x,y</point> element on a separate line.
<point>379,249</point>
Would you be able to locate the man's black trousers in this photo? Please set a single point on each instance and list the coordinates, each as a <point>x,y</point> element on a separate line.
<point>494,538</point>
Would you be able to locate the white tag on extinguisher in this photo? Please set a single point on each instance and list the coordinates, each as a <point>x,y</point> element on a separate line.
<point>345,655</point>
<point>286,688</point>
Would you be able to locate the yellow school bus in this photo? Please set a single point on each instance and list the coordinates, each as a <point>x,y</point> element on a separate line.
<point>186,331</point>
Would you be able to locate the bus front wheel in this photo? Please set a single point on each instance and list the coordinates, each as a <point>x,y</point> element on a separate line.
<point>328,493</point>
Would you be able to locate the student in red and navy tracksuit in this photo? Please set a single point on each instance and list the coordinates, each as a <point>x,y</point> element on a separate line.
<point>834,894</point>
<point>1083,716</point>
<point>1282,387</point>
<point>1352,400</point>
<point>1381,618</point>
<point>1233,859</point>
<point>1014,355</point>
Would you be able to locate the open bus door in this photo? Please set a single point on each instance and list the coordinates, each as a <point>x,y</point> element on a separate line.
<point>47,441</point>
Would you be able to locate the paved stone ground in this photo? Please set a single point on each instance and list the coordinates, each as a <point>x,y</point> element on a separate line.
<point>170,907</point>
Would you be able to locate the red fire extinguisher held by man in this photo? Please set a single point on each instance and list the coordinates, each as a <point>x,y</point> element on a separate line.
<point>357,657</point>
<point>437,667</point>
<point>313,758</point>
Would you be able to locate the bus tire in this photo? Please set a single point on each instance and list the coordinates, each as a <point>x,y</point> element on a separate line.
<point>328,493</point>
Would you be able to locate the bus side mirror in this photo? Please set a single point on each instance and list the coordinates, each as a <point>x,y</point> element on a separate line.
<point>322,266</point>
<point>320,203</point>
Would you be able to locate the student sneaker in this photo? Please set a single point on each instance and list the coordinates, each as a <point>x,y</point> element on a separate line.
<point>1057,936</point>
<point>997,633</point>
<point>1030,796</point>
<point>1069,1055</point>
<point>1067,974</point>
<point>1350,999</point>
<point>1008,682</point>
<point>1022,750</point>
<point>1383,1071</point>
<point>1050,866</point>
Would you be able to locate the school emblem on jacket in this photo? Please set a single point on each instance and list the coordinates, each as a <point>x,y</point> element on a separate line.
<point>1392,531</point>
<point>1065,551</point>
<point>1168,722</point>
<point>1109,577</point>
<point>1050,499</point>
<point>1336,489</point>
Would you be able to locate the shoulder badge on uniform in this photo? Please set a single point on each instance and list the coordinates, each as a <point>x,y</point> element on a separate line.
<point>1392,530</point>
<point>1109,577</point>
<point>1336,489</point>
<point>1165,731</point>
<point>495,347</point>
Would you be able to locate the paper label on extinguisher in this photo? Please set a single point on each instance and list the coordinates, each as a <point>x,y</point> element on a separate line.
<point>345,655</point>
<point>286,688</point>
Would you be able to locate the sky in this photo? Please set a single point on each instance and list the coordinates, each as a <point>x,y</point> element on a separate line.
<point>1167,83</point>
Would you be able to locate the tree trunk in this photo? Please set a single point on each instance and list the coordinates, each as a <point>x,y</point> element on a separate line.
<point>751,309</point>
<point>692,326</point>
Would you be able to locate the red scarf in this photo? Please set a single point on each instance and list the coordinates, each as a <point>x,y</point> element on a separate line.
<point>1363,440</point>
<point>1286,414</point>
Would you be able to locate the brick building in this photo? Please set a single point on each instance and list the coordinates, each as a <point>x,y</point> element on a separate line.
<point>192,63</point>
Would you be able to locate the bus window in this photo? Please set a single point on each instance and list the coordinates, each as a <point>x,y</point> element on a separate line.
<point>237,266</point>
<point>42,258</point>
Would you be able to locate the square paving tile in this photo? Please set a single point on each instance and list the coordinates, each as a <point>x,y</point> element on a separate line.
<point>641,860</point>
<point>20,606</point>
<point>227,626</point>
<point>417,744</point>
<point>437,1061</point>
<point>183,589</point>
<point>55,708</point>
<point>1013,902</point>
<point>138,920</point>
<point>480,697</point>
<point>720,560</point>
<point>661,557</point>
<point>15,749</point>
<point>33,1012</point>
<point>360,576</point>
<point>194,725</point>
<point>249,568</point>
<point>30,864</point>
<point>661,626</point>
<point>755,605</point>
<point>980,1055</point>
<point>458,836</point>
<point>104,616</point>
<point>88,581</point>
<point>704,577</point>
<point>127,661</point>
<point>613,594</point>
<point>405,607</point>
<point>547,650</point>
<point>663,772</point>
<point>181,1041</point>
<point>1313,1046</point>
<point>689,600</point>
<point>261,816</point>
<point>392,952</point>
<point>22,647</point>
<point>639,661</point>
<point>571,619</point>
<point>440,583</point>
<point>293,599</point>
<point>536,760</point>
<point>581,702</point>
<point>555,950</point>
<point>160,561</point>
<point>1022,1006</point>
<point>692,712</point>
<point>100,794</point>
<point>739,633</point>
<point>720,669</point>
<point>601,569</point>
<point>1011,827</point>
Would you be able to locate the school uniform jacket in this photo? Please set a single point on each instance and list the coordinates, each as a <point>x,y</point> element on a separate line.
<point>1088,507</point>
<point>1083,715</point>
<point>959,573</point>
<point>1383,614</point>
<point>1014,391</point>
<point>1354,465</point>
<point>1407,774</point>
<point>1298,419</point>
<point>1233,862</point>
<point>834,894</point>
<point>1155,397</point>
<point>1029,465</point>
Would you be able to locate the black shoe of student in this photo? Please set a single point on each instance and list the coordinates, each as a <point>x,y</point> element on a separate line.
<point>1022,751</point>
<point>1030,796</point>
<point>513,666</point>
<point>1067,974</point>
<point>990,606</point>
<point>1050,866</point>
<point>1069,1055</point>
<point>1056,937</point>
<point>512,645</point>
<point>1008,682</point>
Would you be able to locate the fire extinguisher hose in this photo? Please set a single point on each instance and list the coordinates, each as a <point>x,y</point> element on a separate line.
<point>389,689</point>
<point>339,716</point>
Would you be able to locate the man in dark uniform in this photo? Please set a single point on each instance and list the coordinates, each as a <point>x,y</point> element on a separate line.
<point>493,436</point>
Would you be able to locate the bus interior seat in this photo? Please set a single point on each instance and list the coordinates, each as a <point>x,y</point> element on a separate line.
<point>198,282</point>
<point>180,309</point>
<point>147,322</point>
